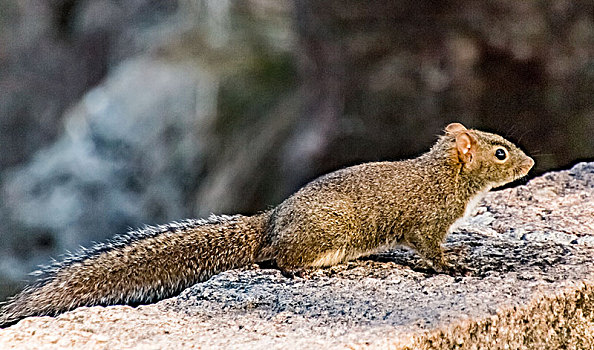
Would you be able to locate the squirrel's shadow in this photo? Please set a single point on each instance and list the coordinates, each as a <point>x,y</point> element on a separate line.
<point>479,255</point>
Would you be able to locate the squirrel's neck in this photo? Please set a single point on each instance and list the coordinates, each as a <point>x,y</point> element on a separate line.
<point>442,165</point>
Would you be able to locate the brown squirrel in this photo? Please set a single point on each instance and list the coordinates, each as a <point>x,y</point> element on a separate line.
<point>343,215</point>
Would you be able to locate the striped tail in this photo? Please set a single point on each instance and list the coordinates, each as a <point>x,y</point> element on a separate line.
<point>141,266</point>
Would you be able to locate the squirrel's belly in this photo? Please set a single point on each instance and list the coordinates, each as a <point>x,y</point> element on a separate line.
<point>337,256</point>
<point>329,258</point>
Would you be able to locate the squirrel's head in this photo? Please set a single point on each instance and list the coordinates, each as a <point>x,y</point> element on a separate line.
<point>485,156</point>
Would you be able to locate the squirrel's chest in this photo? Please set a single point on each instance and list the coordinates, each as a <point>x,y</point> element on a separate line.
<point>469,209</point>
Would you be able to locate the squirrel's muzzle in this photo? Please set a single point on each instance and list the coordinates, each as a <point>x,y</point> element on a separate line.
<point>526,165</point>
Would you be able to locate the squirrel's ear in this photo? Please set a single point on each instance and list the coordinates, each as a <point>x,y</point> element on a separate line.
<point>454,129</point>
<point>466,146</point>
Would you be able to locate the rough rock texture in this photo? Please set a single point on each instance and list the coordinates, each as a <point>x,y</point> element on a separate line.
<point>530,250</point>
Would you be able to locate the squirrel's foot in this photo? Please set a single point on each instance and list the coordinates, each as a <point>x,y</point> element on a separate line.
<point>287,271</point>
<point>451,269</point>
<point>301,273</point>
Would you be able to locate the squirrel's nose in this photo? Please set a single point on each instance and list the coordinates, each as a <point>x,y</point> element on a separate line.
<point>530,162</point>
<point>527,164</point>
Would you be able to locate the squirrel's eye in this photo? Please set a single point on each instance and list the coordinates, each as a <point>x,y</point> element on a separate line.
<point>500,154</point>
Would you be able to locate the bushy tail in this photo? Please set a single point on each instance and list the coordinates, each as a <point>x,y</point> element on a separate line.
<point>142,266</point>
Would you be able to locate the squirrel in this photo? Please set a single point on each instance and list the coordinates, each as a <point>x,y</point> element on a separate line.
<point>346,214</point>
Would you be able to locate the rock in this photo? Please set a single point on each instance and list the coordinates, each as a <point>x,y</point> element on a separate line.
<point>131,148</point>
<point>52,53</point>
<point>528,291</point>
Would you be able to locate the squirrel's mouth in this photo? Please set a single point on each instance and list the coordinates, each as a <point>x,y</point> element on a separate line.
<point>524,168</point>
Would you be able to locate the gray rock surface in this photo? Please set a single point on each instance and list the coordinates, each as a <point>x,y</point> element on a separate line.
<point>52,52</point>
<point>131,149</point>
<point>532,289</point>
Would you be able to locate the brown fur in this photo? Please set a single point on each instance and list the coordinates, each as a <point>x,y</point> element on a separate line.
<point>375,206</point>
<point>340,216</point>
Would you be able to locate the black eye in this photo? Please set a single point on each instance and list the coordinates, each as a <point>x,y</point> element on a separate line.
<point>500,154</point>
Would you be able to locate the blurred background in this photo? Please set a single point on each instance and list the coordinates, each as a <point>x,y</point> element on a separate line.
<point>118,113</point>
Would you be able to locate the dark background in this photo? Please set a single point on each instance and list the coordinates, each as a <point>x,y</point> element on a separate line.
<point>115,114</point>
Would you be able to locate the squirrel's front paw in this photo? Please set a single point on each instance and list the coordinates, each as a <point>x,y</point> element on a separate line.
<point>301,273</point>
<point>451,269</point>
